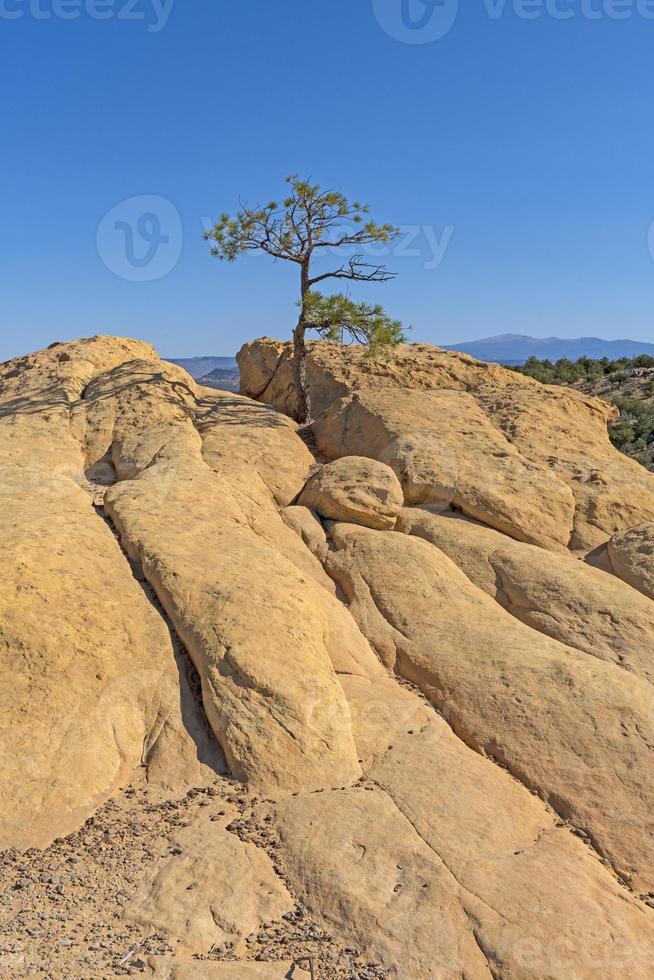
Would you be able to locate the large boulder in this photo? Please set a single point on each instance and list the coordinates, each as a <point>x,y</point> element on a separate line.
<point>355,489</point>
<point>632,557</point>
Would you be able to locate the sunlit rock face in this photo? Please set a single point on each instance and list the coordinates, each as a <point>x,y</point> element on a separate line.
<point>348,695</point>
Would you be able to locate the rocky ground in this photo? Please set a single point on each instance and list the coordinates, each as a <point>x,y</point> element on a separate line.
<point>66,908</point>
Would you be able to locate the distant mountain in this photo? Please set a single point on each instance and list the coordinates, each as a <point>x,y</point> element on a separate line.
<point>513,348</point>
<point>198,367</point>
<point>225,379</point>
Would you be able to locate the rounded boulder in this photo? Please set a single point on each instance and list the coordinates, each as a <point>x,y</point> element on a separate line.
<point>357,490</point>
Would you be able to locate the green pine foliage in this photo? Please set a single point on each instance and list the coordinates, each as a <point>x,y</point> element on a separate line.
<point>306,219</point>
<point>334,317</point>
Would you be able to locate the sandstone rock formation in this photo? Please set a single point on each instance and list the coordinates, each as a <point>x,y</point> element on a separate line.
<point>355,489</point>
<point>307,525</point>
<point>211,888</point>
<point>557,595</point>
<point>263,712</point>
<point>632,557</point>
<point>505,689</point>
<point>532,460</point>
<point>89,681</point>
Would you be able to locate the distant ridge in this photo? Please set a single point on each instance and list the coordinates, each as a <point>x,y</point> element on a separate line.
<point>198,367</point>
<point>225,379</point>
<point>512,348</point>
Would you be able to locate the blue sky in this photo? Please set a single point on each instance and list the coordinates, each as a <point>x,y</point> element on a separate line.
<point>516,154</point>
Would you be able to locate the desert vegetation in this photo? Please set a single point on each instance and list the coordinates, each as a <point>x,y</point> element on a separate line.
<point>627,382</point>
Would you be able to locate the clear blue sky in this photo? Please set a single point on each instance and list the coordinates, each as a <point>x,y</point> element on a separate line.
<point>528,144</point>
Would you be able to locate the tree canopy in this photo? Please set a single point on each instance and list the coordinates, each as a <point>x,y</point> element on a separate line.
<point>306,225</point>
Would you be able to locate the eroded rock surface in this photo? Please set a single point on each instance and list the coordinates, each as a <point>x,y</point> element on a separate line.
<point>533,461</point>
<point>566,599</point>
<point>265,740</point>
<point>236,582</point>
<point>507,690</point>
<point>355,489</point>
<point>88,676</point>
<point>632,557</point>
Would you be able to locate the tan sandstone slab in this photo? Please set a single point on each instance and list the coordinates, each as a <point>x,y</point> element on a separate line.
<point>394,868</point>
<point>557,595</point>
<point>575,729</point>
<point>444,450</point>
<point>89,682</point>
<point>352,855</point>
<point>211,889</point>
<point>508,853</point>
<point>259,627</point>
<point>541,902</point>
<point>632,557</point>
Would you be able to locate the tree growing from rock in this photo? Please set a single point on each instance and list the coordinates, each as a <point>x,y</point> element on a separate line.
<point>306,225</point>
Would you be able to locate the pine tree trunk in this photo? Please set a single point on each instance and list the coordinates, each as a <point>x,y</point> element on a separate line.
<point>300,372</point>
<point>300,352</point>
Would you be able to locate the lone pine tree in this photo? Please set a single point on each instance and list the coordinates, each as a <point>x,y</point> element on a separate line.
<point>309,223</point>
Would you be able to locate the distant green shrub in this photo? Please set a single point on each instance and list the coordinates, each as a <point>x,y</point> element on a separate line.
<point>633,433</point>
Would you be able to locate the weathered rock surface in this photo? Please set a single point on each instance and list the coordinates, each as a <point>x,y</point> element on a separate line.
<point>308,527</point>
<point>355,489</point>
<point>382,868</point>
<point>554,594</point>
<point>211,888</point>
<point>531,460</point>
<point>445,450</point>
<point>361,828</point>
<point>88,676</point>
<point>269,690</point>
<point>508,691</point>
<point>356,856</point>
<point>632,557</point>
<point>509,856</point>
<point>505,852</point>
